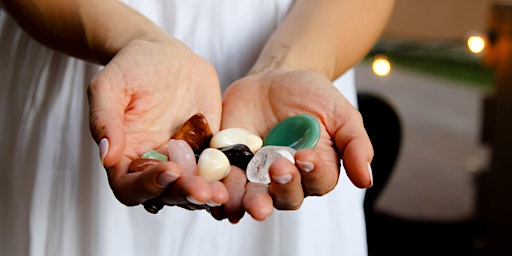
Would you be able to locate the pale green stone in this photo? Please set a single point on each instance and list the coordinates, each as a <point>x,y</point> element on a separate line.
<point>297,132</point>
<point>155,155</point>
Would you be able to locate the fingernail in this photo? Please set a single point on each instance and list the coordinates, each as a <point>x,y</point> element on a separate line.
<point>165,178</point>
<point>305,166</point>
<point>282,179</point>
<point>193,201</point>
<point>103,145</point>
<point>370,172</point>
<point>212,204</point>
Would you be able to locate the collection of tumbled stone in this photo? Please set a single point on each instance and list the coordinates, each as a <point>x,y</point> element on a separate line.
<point>198,152</point>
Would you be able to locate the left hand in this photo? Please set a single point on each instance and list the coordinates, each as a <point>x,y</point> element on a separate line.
<point>257,103</point>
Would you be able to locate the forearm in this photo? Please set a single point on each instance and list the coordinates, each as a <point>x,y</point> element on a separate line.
<point>91,29</point>
<point>327,36</point>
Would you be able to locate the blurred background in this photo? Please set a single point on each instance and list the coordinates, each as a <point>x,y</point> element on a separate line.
<point>436,97</point>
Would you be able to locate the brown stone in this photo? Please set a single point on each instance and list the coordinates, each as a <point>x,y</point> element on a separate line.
<point>141,164</point>
<point>196,132</point>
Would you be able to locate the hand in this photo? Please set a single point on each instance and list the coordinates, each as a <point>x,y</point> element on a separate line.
<point>141,97</point>
<point>258,102</point>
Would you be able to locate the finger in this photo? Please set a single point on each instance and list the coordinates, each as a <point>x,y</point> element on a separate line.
<point>106,121</point>
<point>285,187</point>
<point>233,209</point>
<point>189,189</point>
<point>257,201</point>
<point>220,194</point>
<point>356,149</point>
<point>219,197</point>
<point>135,188</point>
<point>318,177</point>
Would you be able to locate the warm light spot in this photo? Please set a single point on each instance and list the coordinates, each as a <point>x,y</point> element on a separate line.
<point>381,65</point>
<point>476,44</point>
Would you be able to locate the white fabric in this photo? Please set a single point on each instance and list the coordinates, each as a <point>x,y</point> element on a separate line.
<point>54,196</point>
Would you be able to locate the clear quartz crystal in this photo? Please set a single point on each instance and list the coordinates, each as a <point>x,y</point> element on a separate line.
<point>257,169</point>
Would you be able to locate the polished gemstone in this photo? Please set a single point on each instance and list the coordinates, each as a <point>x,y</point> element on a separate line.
<point>153,154</point>
<point>196,132</point>
<point>297,132</point>
<point>239,155</point>
<point>213,165</point>
<point>182,154</point>
<point>258,167</point>
<point>141,164</point>
<point>233,136</point>
<point>153,205</point>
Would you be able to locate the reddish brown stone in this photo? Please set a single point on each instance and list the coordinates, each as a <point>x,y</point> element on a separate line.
<point>196,132</point>
<point>141,164</point>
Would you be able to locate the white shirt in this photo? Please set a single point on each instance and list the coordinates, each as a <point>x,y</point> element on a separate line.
<point>54,194</point>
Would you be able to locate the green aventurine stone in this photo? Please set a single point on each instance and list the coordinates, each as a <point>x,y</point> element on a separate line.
<point>297,132</point>
<point>155,155</point>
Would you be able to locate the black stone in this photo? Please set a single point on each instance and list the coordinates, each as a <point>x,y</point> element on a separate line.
<point>239,155</point>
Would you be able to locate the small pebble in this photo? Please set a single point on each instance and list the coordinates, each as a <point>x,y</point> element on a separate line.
<point>233,136</point>
<point>182,154</point>
<point>196,132</point>
<point>141,164</point>
<point>257,169</point>
<point>153,154</point>
<point>239,155</point>
<point>213,165</point>
<point>297,132</point>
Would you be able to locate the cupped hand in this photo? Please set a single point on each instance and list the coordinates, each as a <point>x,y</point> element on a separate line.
<point>257,103</point>
<point>140,98</point>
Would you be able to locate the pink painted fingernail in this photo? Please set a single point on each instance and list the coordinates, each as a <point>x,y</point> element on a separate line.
<point>193,200</point>
<point>370,172</point>
<point>282,179</point>
<point>103,145</point>
<point>212,204</point>
<point>165,178</point>
<point>305,166</point>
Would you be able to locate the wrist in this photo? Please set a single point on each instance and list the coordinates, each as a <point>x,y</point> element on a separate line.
<point>285,57</point>
<point>107,31</point>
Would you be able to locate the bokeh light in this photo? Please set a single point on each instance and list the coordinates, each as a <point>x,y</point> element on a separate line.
<point>381,65</point>
<point>476,44</point>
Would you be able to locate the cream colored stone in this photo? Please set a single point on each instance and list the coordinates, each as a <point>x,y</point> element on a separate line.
<point>213,165</point>
<point>232,136</point>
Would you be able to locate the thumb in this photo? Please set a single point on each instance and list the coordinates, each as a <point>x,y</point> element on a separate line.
<point>106,123</point>
<point>356,150</point>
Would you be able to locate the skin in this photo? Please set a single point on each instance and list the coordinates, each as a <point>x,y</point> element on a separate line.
<point>130,107</point>
<point>313,45</point>
<point>129,98</point>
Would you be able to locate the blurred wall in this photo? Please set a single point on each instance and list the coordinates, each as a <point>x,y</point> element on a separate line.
<point>438,19</point>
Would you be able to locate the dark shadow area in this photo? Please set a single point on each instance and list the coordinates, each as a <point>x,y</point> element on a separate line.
<point>390,235</point>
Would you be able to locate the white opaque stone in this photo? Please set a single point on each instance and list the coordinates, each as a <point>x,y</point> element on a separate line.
<point>213,165</point>
<point>257,169</point>
<point>182,154</point>
<point>232,136</point>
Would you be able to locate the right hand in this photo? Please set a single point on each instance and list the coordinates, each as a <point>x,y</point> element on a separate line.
<point>141,97</point>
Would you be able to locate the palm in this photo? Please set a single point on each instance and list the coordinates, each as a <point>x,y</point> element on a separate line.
<point>157,95</point>
<point>257,103</point>
<point>146,92</point>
